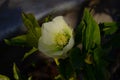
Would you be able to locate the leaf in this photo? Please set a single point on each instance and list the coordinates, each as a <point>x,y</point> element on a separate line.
<point>30,78</point>
<point>100,63</point>
<point>16,72</point>
<point>91,32</point>
<point>31,37</point>
<point>48,18</point>
<point>76,58</point>
<point>31,34</point>
<point>33,20</point>
<point>89,73</point>
<point>110,27</point>
<point>97,55</point>
<point>91,40</point>
<point>38,31</point>
<point>65,69</point>
<point>19,40</point>
<point>30,52</point>
<point>34,30</point>
<point>35,24</point>
<point>78,33</point>
<point>3,77</point>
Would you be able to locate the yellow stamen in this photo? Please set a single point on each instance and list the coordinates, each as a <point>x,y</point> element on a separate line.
<point>61,39</point>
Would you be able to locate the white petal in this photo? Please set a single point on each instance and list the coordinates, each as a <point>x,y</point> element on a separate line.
<point>61,23</point>
<point>68,46</point>
<point>45,48</point>
<point>50,26</point>
<point>55,26</point>
<point>47,34</point>
<point>49,50</point>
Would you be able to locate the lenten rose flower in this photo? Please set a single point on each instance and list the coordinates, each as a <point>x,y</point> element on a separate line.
<point>56,38</point>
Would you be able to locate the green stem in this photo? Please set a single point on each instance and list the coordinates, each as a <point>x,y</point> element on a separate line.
<point>56,61</point>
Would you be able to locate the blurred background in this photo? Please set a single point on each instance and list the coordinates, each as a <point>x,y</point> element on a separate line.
<point>11,25</point>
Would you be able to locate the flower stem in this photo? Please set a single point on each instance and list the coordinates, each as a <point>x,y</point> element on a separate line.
<point>56,61</point>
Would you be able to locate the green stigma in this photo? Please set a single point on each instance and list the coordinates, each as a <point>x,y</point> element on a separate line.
<point>61,39</point>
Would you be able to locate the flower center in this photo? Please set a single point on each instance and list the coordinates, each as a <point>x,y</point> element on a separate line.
<point>62,39</point>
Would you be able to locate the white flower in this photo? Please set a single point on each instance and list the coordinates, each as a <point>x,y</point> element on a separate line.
<point>56,38</point>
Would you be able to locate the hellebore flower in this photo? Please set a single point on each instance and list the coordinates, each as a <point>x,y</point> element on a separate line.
<point>56,38</point>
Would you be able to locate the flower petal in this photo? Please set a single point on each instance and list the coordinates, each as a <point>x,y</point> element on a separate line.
<point>47,34</point>
<point>69,45</point>
<point>49,50</point>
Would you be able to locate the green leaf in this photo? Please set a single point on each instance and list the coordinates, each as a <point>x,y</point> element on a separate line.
<point>100,64</point>
<point>16,72</point>
<point>38,31</point>
<point>91,31</point>
<point>34,30</point>
<point>33,20</point>
<point>89,73</point>
<point>91,41</point>
<point>30,78</point>
<point>78,33</point>
<point>35,26</point>
<point>110,27</point>
<point>19,40</point>
<point>30,52</point>
<point>31,34</point>
<point>3,77</point>
<point>76,58</point>
<point>48,18</point>
<point>31,37</point>
<point>97,55</point>
<point>65,69</point>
